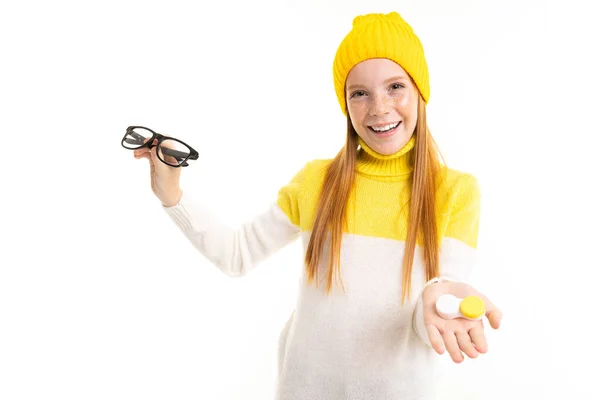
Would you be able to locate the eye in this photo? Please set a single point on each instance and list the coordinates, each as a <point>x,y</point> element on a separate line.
<point>397,86</point>
<point>358,93</point>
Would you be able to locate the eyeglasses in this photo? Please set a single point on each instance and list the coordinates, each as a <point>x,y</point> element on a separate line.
<point>170,151</point>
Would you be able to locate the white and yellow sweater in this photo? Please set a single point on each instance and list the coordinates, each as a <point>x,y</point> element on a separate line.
<point>361,344</point>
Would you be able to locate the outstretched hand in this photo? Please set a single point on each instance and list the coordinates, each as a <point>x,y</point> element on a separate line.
<point>458,335</point>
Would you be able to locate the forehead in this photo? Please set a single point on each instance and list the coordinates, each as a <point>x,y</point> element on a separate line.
<point>374,71</point>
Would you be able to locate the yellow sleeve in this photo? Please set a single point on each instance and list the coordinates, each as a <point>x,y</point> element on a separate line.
<point>289,196</point>
<point>465,211</point>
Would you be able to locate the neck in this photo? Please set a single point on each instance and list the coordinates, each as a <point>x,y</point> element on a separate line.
<point>393,167</point>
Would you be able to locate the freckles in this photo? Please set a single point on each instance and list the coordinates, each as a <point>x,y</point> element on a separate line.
<point>383,99</point>
<point>358,108</point>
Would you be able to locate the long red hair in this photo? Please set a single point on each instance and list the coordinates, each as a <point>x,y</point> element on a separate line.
<point>338,183</point>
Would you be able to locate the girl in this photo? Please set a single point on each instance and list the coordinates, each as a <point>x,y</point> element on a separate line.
<point>386,229</point>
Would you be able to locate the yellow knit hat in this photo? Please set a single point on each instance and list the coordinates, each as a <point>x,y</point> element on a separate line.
<point>380,36</point>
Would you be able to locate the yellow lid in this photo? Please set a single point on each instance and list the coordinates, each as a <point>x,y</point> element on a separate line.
<point>472,307</point>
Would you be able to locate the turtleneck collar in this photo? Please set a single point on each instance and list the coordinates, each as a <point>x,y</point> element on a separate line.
<point>393,167</point>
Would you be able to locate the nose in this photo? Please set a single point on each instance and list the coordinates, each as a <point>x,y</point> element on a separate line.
<point>380,105</point>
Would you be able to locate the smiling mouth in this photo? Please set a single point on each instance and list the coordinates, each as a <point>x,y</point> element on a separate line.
<point>384,128</point>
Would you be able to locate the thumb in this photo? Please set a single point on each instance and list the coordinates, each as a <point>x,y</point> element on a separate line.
<point>154,157</point>
<point>153,154</point>
<point>153,150</point>
<point>492,313</point>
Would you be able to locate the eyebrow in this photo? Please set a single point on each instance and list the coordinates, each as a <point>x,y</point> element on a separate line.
<point>395,78</point>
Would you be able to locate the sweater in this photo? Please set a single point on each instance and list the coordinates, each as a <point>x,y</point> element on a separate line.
<point>361,343</point>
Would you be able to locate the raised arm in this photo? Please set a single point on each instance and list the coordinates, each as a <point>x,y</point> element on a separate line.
<point>237,251</point>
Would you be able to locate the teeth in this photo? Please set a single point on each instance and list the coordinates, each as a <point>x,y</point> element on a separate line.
<point>384,128</point>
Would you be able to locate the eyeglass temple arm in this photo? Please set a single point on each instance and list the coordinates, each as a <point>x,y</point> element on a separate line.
<point>138,139</point>
<point>181,155</point>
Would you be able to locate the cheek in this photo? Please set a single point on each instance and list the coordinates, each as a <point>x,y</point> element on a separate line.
<point>407,106</point>
<point>357,112</point>
<point>405,102</point>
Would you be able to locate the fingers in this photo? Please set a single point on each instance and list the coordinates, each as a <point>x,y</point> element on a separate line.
<point>149,154</point>
<point>494,316</point>
<point>139,152</point>
<point>144,150</point>
<point>435,339</point>
<point>457,342</point>
<point>452,346</point>
<point>477,336</point>
<point>143,155</point>
<point>465,344</point>
<point>492,313</point>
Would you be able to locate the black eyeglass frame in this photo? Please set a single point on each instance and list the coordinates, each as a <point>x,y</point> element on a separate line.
<point>193,154</point>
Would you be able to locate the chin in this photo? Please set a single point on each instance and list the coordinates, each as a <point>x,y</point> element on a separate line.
<point>385,145</point>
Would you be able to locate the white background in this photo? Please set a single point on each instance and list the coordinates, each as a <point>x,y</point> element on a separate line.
<point>101,296</point>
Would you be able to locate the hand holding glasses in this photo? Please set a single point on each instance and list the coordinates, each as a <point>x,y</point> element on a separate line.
<point>173,152</point>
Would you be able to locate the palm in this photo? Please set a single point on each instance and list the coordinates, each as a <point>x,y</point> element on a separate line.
<point>459,335</point>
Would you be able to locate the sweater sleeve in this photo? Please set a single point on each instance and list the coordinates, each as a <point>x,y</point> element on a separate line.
<point>237,251</point>
<point>459,245</point>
